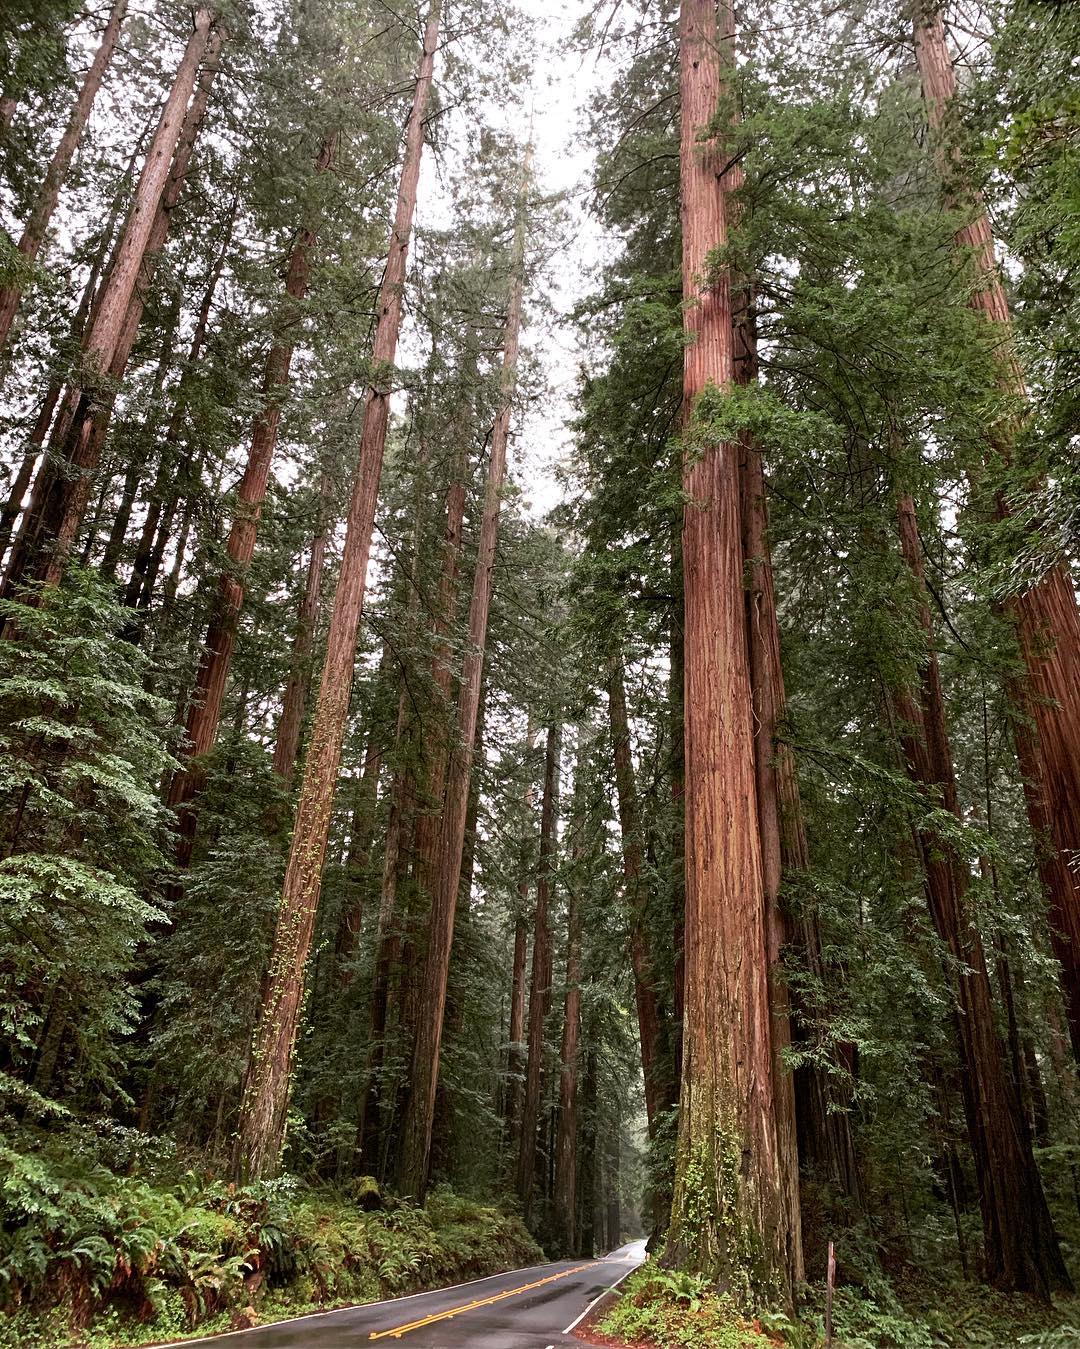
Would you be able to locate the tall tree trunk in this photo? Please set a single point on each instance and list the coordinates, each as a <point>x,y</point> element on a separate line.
<point>262,1116</point>
<point>659,1089</point>
<point>540,981</point>
<point>565,1187</point>
<point>165,491</point>
<point>204,715</point>
<point>295,700</point>
<point>732,1212</point>
<point>14,504</point>
<point>416,1127</point>
<point>515,1059</point>
<point>1047,620</point>
<point>37,224</point>
<point>1021,1247</point>
<point>63,497</point>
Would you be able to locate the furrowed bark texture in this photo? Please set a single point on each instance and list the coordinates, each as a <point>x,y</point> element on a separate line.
<point>1047,732</point>
<point>204,716</point>
<point>64,503</point>
<point>419,1112</point>
<point>540,981</point>
<point>732,1217</point>
<point>37,224</point>
<point>1020,1243</point>
<point>266,1097</point>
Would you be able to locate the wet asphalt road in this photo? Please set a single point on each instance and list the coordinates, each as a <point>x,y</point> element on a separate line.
<point>534,1308</point>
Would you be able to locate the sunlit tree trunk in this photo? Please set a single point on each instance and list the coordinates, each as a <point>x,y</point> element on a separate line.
<point>416,1126</point>
<point>266,1096</point>
<point>1047,730</point>
<point>733,1216</point>
<point>37,224</point>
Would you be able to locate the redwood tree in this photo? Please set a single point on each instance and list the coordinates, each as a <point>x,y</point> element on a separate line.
<point>37,223</point>
<point>1047,619</point>
<point>419,1113</point>
<point>266,1095</point>
<point>733,1216</point>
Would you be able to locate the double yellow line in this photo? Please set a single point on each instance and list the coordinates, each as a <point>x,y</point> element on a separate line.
<point>398,1331</point>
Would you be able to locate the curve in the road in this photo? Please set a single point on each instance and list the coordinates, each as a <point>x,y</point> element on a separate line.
<point>533,1308</point>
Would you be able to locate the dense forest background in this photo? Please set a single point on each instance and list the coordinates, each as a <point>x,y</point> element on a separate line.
<point>665,822</point>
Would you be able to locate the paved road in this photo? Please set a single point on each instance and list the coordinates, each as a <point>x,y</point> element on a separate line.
<point>532,1308</point>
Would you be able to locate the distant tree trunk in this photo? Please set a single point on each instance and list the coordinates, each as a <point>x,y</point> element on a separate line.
<point>297,689</point>
<point>114,546</point>
<point>363,824</point>
<point>515,1059</point>
<point>732,1214</point>
<point>437,742</point>
<point>13,506</point>
<point>1047,732</point>
<point>62,500</point>
<point>659,1089</point>
<point>586,1185</point>
<point>1021,1246</point>
<point>204,716</point>
<point>165,492</point>
<point>419,1113</point>
<point>37,224</point>
<point>566,1138</point>
<point>540,981</point>
<point>262,1116</point>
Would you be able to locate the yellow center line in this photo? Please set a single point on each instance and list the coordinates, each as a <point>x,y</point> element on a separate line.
<point>398,1331</point>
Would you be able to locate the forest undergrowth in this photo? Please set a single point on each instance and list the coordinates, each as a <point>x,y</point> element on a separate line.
<point>112,1239</point>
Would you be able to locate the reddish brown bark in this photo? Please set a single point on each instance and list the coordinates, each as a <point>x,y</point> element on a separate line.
<point>732,1212</point>
<point>63,500</point>
<point>262,1117</point>
<point>294,701</point>
<point>1021,1247</point>
<point>659,1092</point>
<point>1047,730</point>
<point>33,235</point>
<point>540,978</point>
<point>204,715</point>
<point>419,1113</point>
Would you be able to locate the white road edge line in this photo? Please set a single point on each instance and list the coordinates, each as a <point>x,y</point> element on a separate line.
<point>592,1304</point>
<point>354,1307</point>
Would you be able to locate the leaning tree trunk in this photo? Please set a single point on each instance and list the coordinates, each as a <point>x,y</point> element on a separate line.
<point>37,224</point>
<point>1047,732</point>
<point>63,506</point>
<point>1021,1247</point>
<point>540,980</point>
<point>419,1113</point>
<point>204,714</point>
<point>266,1096</point>
<point>733,1217</point>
